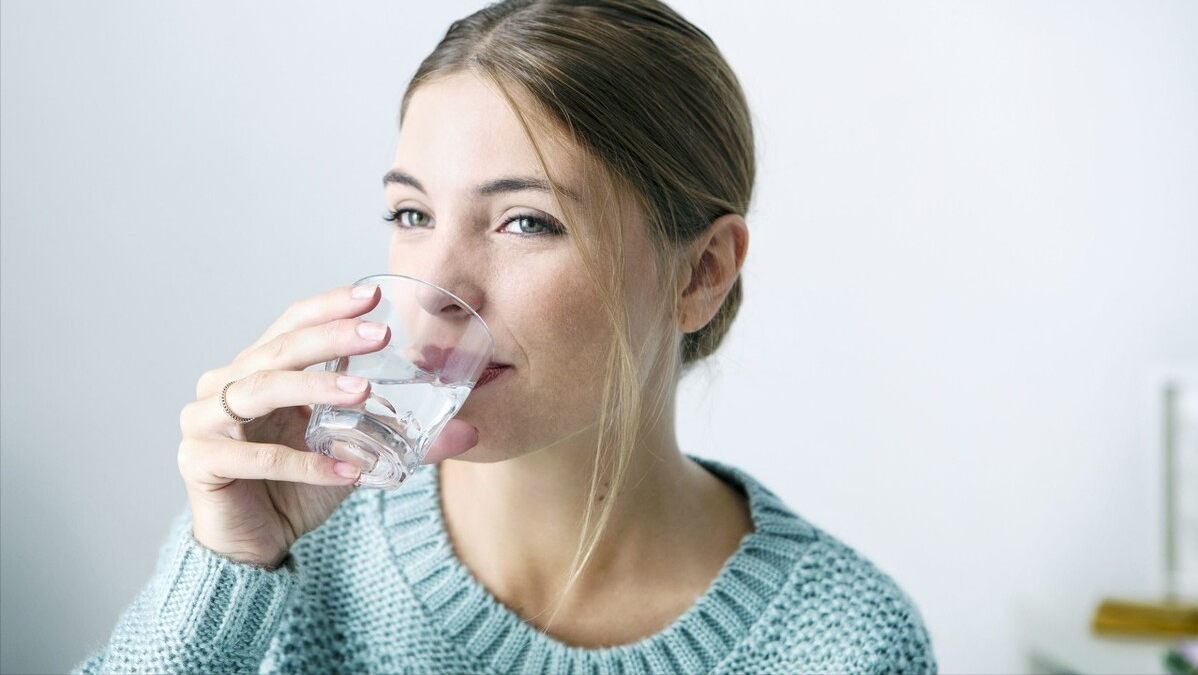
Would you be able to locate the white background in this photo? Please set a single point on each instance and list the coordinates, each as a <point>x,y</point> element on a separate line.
<point>975,239</point>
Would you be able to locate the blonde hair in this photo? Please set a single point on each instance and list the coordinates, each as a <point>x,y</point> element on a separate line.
<point>661,115</point>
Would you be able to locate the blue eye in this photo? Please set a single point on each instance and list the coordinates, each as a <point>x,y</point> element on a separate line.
<point>531,225</point>
<point>408,218</point>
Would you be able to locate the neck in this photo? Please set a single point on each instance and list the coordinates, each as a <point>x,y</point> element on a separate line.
<point>516,524</point>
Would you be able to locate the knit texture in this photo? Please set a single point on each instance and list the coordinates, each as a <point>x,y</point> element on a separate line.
<point>378,589</point>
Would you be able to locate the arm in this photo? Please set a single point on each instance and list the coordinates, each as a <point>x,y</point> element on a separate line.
<point>200,613</point>
<point>903,645</point>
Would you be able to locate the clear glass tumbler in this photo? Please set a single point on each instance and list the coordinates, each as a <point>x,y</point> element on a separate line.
<point>438,348</point>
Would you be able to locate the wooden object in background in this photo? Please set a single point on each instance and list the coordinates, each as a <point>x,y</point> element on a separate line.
<point>1163,619</point>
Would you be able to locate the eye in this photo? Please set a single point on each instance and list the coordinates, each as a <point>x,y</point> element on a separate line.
<point>532,225</point>
<point>408,218</point>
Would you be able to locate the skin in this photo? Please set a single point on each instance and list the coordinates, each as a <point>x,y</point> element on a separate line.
<point>522,446</point>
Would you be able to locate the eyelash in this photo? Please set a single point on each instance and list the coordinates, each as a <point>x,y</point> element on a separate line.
<point>552,227</point>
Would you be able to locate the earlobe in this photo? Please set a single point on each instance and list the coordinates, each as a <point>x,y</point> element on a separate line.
<point>714,263</point>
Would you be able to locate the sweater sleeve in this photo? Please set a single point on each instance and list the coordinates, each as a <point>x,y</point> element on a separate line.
<point>905,647</point>
<point>200,613</point>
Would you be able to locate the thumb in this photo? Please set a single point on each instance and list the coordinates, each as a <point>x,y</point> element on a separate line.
<point>457,437</point>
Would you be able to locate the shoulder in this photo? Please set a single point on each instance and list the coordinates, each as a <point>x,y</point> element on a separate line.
<point>839,608</point>
<point>835,612</point>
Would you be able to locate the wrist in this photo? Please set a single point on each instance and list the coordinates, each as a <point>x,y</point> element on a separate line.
<point>266,560</point>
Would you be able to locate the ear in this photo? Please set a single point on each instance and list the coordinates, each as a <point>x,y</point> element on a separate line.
<point>714,260</point>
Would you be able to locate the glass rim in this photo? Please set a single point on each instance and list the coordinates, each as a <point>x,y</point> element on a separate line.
<point>387,276</point>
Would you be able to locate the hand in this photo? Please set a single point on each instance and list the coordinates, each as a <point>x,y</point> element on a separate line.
<point>256,488</point>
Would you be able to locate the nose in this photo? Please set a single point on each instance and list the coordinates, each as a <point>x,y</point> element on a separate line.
<point>438,303</point>
<point>446,257</point>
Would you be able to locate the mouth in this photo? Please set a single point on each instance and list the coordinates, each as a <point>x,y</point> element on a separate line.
<point>432,358</point>
<point>490,373</point>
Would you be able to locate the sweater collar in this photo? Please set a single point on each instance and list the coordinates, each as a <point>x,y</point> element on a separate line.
<point>696,641</point>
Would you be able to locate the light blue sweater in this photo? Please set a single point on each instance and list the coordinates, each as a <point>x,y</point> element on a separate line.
<point>377,589</point>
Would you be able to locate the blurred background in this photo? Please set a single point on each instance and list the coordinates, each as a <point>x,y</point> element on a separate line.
<point>974,262</point>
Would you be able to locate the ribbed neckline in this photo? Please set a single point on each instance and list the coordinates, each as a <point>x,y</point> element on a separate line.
<point>485,628</point>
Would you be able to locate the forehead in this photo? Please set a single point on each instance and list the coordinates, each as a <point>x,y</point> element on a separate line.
<point>460,128</point>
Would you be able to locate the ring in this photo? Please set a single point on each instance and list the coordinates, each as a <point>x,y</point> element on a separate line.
<point>224,404</point>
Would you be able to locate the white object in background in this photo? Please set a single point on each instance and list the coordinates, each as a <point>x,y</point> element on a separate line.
<point>1056,637</point>
<point>1180,440</point>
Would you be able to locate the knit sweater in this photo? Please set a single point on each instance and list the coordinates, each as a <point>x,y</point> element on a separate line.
<point>378,589</point>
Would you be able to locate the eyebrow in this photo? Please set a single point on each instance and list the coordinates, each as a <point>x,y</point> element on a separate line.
<point>401,178</point>
<point>497,186</point>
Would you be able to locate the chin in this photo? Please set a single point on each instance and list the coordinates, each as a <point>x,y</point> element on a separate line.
<point>495,436</point>
<point>485,453</point>
<point>480,454</point>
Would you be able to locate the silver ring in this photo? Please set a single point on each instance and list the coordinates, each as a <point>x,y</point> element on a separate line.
<point>224,404</point>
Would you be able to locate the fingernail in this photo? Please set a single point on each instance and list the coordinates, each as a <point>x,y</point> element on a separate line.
<point>372,331</point>
<point>361,292</point>
<point>345,470</point>
<point>353,385</point>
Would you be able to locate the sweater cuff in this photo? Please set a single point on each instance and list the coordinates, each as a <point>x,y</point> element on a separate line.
<point>210,599</point>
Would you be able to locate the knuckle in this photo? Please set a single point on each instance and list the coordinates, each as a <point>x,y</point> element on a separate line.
<point>316,380</point>
<point>343,331</point>
<point>256,383</point>
<point>278,347</point>
<point>268,457</point>
<point>294,311</point>
<point>206,384</point>
<point>186,458</point>
<point>314,464</point>
<point>185,417</point>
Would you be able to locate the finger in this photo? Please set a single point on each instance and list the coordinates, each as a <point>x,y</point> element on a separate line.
<point>339,303</point>
<point>303,347</point>
<point>298,350</point>
<point>263,392</point>
<point>217,462</point>
<point>457,437</point>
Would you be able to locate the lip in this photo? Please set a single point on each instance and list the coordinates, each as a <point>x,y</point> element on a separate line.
<point>433,358</point>
<point>491,373</point>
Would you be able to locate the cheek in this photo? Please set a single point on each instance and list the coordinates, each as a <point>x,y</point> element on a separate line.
<point>565,328</point>
<point>395,255</point>
<point>560,333</point>
<point>563,323</point>
<point>565,335</point>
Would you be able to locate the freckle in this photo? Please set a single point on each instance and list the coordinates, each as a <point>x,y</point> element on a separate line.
<point>601,497</point>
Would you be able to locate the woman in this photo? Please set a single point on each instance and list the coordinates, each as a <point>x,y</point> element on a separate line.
<point>578,172</point>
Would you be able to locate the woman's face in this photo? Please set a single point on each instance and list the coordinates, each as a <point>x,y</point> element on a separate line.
<point>473,213</point>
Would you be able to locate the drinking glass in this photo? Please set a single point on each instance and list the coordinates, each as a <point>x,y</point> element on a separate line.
<point>438,348</point>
